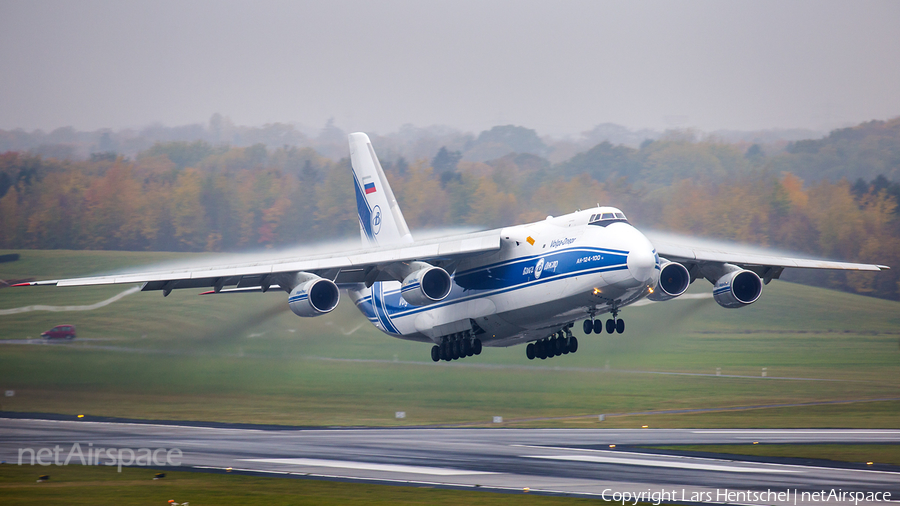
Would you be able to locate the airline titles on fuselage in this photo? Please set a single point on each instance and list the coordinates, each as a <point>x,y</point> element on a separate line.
<point>540,267</point>
<point>561,242</point>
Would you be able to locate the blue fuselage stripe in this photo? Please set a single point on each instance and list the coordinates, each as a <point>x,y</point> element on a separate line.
<point>362,210</point>
<point>495,279</point>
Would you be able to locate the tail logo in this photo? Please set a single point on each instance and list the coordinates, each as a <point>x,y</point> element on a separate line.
<point>376,217</point>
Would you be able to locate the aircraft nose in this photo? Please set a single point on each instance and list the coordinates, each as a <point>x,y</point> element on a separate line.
<point>642,263</point>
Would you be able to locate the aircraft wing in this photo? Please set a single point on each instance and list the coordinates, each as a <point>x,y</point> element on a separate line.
<point>355,266</point>
<point>765,264</point>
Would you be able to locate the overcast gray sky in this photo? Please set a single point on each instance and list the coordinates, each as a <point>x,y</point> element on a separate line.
<point>560,67</point>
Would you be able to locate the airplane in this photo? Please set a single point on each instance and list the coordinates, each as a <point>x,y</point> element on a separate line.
<point>523,284</point>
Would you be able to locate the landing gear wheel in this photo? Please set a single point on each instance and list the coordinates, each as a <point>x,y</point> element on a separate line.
<point>565,345</point>
<point>560,346</point>
<point>598,326</point>
<point>540,350</point>
<point>435,353</point>
<point>454,350</point>
<point>476,346</point>
<point>588,326</point>
<point>620,326</point>
<point>573,344</point>
<point>610,326</point>
<point>467,348</point>
<point>529,351</point>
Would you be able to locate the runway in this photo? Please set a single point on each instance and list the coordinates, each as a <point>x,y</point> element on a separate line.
<point>554,461</point>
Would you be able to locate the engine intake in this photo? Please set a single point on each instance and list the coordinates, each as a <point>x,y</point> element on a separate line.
<point>426,286</point>
<point>314,297</point>
<point>674,280</point>
<point>738,288</point>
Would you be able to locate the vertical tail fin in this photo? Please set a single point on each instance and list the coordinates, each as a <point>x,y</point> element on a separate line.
<point>380,219</point>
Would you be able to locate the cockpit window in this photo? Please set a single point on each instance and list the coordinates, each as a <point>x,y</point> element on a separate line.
<point>604,219</point>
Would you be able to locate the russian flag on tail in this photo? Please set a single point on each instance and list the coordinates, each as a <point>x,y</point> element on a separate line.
<point>368,185</point>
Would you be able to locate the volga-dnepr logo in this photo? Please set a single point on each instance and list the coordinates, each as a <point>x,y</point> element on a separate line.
<point>538,269</point>
<point>376,220</point>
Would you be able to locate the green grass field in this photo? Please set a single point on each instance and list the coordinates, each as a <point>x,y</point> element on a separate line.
<point>246,358</point>
<point>91,485</point>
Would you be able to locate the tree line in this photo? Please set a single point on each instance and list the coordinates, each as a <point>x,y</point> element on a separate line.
<point>194,196</point>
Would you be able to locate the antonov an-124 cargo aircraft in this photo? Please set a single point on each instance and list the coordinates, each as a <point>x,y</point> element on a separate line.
<point>521,284</point>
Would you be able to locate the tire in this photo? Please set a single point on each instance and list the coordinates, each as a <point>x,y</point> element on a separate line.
<point>598,326</point>
<point>610,326</point>
<point>620,326</point>
<point>529,351</point>
<point>588,326</point>
<point>435,353</point>
<point>467,348</point>
<point>477,346</point>
<point>560,346</point>
<point>573,344</point>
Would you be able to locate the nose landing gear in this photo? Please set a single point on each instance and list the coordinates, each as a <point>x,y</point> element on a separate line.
<point>613,325</point>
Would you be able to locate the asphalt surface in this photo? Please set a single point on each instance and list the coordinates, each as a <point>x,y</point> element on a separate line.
<point>555,461</point>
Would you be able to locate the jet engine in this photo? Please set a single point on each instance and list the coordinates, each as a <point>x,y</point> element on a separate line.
<point>737,288</point>
<point>426,285</point>
<point>314,297</point>
<point>674,280</point>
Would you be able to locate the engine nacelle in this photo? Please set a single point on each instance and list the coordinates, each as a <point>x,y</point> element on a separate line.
<point>674,280</point>
<point>737,289</point>
<point>314,297</point>
<point>426,286</point>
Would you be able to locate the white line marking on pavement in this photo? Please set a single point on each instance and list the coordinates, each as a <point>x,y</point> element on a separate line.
<point>368,466</point>
<point>763,432</point>
<point>659,463</point>
<point>800,468</point>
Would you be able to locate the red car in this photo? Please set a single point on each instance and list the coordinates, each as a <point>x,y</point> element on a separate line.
<point>60,332</point>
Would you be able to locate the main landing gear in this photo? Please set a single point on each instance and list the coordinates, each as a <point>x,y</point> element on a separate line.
<point>614,324</point>
<point>456,346</point>
<point>560,343</point>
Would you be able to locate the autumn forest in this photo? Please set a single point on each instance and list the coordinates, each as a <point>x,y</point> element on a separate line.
<point>834,197</point>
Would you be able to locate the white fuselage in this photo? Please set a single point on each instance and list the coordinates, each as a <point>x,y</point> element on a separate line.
<point>545,275</point>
